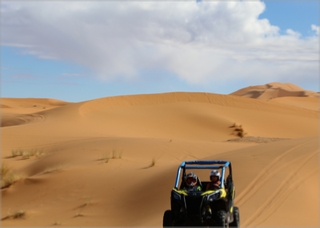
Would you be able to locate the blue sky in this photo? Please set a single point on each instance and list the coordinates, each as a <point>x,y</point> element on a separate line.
<point>86,50</point>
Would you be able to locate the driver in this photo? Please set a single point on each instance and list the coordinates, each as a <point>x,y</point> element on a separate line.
<point>191,183</point>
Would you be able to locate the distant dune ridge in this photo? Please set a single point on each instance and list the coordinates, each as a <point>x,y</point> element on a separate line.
<point>274,90</point>
<point>90,163</point>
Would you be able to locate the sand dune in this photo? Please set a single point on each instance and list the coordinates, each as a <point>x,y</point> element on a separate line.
<point>21,110</point>
<point>27,105</point>
<point>90,163</point>
<point>312,103</point>
<point>274,90</point>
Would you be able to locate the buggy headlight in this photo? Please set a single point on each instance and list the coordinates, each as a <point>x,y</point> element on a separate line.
<point>214,196</point>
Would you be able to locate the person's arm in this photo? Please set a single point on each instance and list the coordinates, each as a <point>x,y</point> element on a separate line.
<point>217,185</point>
<point>207,187</point>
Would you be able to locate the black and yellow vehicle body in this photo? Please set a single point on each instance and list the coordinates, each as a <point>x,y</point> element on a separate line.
<point>199,208</point>
<point>212,208</point>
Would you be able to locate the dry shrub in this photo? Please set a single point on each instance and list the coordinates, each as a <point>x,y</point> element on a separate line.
<point>8,176</point>
<point>26,154</point>
<point>15,215</point>
<point>153,163</point>
<point>55,168</point>
<point>105,158</point>
<point>116,155</point>
<point>238,130</point>
<point>113,155</point>
<point>79,215</point>
<point>56,223</point>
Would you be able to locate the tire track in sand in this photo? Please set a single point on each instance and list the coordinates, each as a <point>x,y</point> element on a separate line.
<point>283,197</point>
<point>266,174</point>
<point>280,194</point>
<point>31,118</point>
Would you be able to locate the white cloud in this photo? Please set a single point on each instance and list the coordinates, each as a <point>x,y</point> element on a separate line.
<point>292,33</point>
<point>206,42</point>
<point>315,28</point>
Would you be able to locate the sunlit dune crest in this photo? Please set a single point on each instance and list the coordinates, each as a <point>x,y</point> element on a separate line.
<point>274,90</point>
<point>90,163</point>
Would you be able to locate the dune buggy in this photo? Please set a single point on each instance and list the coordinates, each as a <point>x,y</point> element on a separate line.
<point>203,208</point>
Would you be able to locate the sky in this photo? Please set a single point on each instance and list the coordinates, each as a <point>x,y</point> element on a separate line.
<point>80,50</point>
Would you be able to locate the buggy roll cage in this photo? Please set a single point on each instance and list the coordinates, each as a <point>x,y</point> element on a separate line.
<point>208,164</point>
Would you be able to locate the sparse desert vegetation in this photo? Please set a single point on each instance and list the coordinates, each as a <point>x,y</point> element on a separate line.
<point>8,176</point>
<point>26,154</point>
<point>15,215</point>
<point>111,155</point>
<point>79,215</point>
<point>255,139</point>
<point>153,163</point>
<point>238,130</point>
<point>57,223</point>
<point>55,168</point>
<point>116,154</point>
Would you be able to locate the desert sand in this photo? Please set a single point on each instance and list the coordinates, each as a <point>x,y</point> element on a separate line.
<point>112,161</point>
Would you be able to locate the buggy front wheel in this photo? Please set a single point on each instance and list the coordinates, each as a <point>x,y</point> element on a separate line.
<point>221,219</point>
<point>167,218</point>
<point>236,218</point>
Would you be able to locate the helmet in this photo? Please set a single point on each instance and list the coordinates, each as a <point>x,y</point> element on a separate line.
<point>215,173</point>
<point>191,179</point>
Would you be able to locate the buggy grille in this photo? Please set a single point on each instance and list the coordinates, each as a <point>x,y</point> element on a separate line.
<point>193,205</point>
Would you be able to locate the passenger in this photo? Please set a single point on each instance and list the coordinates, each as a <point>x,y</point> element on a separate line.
<point>215,180</point>
<point>191,183</point>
